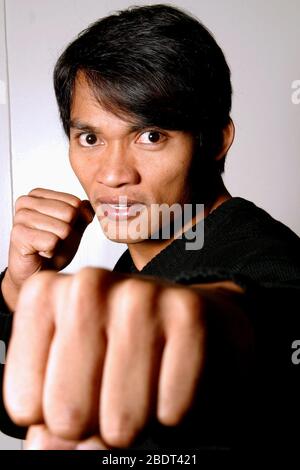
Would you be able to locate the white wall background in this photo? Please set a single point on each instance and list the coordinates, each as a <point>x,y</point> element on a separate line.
<point>261,40</point>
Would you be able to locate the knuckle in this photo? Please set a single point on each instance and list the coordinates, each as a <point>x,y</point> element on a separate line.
<point>134,305</point>
<point>52,239</point>
<point>136,288</point>
<point>130,285</point>
<point>22,250</point>
<point>66,422</point>
<point>35,191</point>
<point>21,201</point>
<point>70,212</point>
<point>189,299</point>
<point>87,289</point>
<point>85,273</point>
<point>34,299</point>
<point>20,235</point>
<point>22,214</point>
<point>36,286</point>
<point>64,230</point>
<point>80,285</point>
<point>128,296</point>
<point>118,432</point>
<point>20,416</point>
<point>49,240</point>
<point>90,274</point>
<point>17,231</point>
<point>75,201</point>
<point>187,306</point>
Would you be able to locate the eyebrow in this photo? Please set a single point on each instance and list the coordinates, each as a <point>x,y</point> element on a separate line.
<point>86,127</point>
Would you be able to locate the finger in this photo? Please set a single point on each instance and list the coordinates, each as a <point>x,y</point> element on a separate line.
<point>33,329</point>
<point>35,220</point>
<point>85,208</point>
<point>73,378</point>
<point>183,356</point>
<point>55,208</point>
<point>84,217</point>
<point>40,438</point>
<point>28,241</point>
<point>55,195</point>
<point>92,443</point>
<point>129,384</point>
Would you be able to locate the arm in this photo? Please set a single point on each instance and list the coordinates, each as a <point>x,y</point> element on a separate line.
<point>47,230</point>
<point>170,328</point>
<point>6,425</point>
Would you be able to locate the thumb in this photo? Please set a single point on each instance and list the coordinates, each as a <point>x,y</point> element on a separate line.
<point>85,216</point>
<point>87,210</point>
<point>92,443</point>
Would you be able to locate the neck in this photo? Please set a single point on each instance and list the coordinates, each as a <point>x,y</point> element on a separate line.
<point>142,252</point>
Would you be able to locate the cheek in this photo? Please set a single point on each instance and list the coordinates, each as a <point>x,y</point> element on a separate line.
<point>178,179</point>
<point>73,160</point>
<point>80,170</point>
<point>168,183</point>
<point>176,176</point>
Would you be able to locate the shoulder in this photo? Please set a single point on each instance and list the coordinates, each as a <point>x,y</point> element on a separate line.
<point>242,217</point>
<point>243,240</point>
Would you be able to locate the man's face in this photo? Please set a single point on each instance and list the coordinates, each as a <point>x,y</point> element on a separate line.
<point>112,159</point>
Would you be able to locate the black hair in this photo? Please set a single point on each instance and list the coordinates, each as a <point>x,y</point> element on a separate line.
<point>157,64</point>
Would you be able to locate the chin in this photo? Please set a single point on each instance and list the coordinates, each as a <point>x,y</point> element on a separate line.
<point>121,233</point>
<point>126,240</point>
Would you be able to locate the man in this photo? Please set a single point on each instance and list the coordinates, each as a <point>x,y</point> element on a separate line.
<point>170,349</point>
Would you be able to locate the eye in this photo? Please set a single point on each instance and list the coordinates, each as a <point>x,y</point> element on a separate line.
<point>88,139</point>
<point>151,137</point>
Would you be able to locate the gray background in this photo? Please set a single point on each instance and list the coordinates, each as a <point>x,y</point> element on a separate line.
<point>261,40</point>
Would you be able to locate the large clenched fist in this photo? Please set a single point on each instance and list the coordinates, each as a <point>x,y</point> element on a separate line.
<point>47,229</point>
<point>100,353</point>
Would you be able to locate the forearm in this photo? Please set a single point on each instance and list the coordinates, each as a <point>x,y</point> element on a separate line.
<point>4,308</point>
<point>6,425</point>
<point>8,293</point>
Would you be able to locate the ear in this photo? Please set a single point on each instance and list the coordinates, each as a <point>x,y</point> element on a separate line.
<point>228,137</point>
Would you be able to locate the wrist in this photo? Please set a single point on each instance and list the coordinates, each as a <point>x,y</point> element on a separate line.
<point>9,291</point>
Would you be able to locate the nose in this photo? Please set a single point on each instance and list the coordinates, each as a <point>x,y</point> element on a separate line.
<point>117,167</point>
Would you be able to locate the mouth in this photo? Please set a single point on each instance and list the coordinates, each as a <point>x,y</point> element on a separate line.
<point>123,209</point>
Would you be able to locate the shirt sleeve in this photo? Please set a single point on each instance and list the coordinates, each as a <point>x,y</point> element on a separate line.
<point>6,318</point>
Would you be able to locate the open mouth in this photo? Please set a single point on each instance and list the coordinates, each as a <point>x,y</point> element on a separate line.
<point>120,211</point>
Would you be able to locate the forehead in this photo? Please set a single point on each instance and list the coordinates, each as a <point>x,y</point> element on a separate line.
<point>87,108</point>
<point>90,114</point>
<point>83,96</point>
